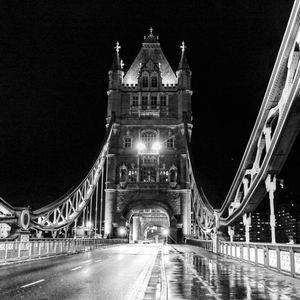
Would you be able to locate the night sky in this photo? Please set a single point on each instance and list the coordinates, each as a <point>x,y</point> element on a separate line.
<point>54,59</point>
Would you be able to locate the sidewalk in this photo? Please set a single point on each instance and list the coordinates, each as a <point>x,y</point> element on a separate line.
<point>194,273</point>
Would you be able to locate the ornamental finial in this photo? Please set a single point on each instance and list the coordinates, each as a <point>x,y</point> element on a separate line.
<point>183,46</point>
<point>122,64</point>
<point>117,47</point>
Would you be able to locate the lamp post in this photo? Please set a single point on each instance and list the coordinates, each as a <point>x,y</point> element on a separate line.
<point>165,233</point>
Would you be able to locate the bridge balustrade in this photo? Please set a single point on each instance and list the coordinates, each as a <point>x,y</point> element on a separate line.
<point>206,244</point>
<point>284,258</point>
<point>37,248</point>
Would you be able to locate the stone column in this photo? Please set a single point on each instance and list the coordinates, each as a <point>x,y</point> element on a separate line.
<point>183,170</point>
<point>110,195</point>
<point>135,228</point>
<point>109,212</point>
<point>186,212</point>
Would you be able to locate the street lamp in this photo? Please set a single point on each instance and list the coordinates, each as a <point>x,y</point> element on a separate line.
<point>165,233</point>
<point>156,146</point>
<point>122,232</point>
<point>140,146</point>
<point>89,225</point>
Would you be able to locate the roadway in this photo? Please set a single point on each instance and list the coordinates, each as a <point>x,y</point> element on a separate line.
<point>123,272</point>
<point>113,273</point>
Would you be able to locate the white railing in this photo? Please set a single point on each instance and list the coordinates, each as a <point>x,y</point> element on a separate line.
<point>284,258</point>
<point>38,248</point>
<point>206,244</point>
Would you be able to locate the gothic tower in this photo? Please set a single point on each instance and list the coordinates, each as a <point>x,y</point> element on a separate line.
<point>147,188</point>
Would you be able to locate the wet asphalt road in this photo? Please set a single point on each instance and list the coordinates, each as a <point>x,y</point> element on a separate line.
<point>122,272</point>
<point>213,277</point>
<point>112,273</point>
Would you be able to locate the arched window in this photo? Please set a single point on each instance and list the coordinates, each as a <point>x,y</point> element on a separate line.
<point>123,175</point>
<point>154,81</point>
<point>145,82</point>
<point>173,176</point>
<point>148,137</point>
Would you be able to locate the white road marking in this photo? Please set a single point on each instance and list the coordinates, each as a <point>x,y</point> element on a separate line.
<point>87,261</point>
<point>98,260</point>
<point>32,283</point>
<point>76,268</point>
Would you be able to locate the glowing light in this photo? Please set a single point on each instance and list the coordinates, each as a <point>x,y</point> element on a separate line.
<point>122,231</point>
<point>165,232</point>
<point>89,224</point>
<point>156,146</point>
<point>140,146</point>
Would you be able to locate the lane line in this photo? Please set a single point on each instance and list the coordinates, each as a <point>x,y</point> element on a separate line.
<point>76,268</point>
<point>98,260</point>
<point>32,283</point>
<point>87,261</point>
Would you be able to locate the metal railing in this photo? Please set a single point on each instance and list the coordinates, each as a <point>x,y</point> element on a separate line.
<point>38,248</point>
<point>283,258</point>
<point>206,244</point>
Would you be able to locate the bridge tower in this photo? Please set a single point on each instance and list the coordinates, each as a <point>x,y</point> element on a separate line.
<point>147,187</point>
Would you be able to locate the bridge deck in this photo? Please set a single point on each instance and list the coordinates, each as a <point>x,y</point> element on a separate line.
<point>144,272</point>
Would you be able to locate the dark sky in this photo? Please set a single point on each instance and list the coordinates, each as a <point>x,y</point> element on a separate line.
<point>54,59</point>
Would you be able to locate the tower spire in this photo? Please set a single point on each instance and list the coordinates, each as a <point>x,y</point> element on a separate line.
<point>183,64</point>
<point>116,64</point>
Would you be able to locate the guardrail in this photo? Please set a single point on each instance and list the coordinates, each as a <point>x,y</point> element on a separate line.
<point>206,244</point>
<point>283,258</point>
<point>38,248</point>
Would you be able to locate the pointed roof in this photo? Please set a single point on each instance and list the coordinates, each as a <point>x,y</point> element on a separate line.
<point>183,64</point>
<point>116,64</point>
<point>150,51</point>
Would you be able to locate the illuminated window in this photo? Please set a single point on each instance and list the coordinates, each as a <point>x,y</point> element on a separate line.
<point>145,82</point>
<point>132,175</point>
<point>154,81</point>
<point>163,100</point>
<point>127,142</point>
<point>148,138</point>
<point>163,176</point>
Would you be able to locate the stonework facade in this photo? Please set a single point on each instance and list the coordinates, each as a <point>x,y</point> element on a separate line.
<point>147,167</point>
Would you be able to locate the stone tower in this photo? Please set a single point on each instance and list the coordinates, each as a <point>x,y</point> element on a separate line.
<point>147,188</point>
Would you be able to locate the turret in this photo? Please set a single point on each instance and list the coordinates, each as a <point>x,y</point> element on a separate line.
<point>184,72</point>
<point>115,85</point>
<point>116,73</point>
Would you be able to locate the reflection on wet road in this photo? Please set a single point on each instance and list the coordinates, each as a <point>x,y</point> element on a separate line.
<point>193,273</point>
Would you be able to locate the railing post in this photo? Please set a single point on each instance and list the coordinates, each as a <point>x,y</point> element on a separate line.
<point>30,249</point>
<point>19,250</point>
<point>231,232</point>
<point>292,261</point>
<point>247,223</point>
<point>271,188</point>
<point>5,255</point>
<point>215,241</point>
